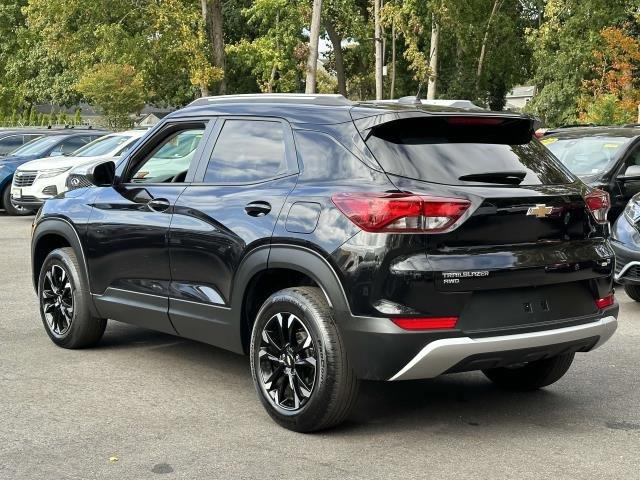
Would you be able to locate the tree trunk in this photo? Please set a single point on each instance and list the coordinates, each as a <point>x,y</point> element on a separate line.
<point>272,78</point>
<point>483,48</point>
<point>433,59</point>
<point>314,37</point>
<point>393,62</point>
<point>219,58</point>
<point>212,16</point>
<point>378,48</point>
<point>336,42</point>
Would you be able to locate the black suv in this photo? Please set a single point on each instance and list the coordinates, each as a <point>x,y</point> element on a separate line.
<point>334,242</point>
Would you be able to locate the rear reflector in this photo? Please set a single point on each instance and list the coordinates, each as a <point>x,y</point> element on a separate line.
<point>605,301</point>
<point>400,212</point>
<point>425,323</point>
<point>598,202</point>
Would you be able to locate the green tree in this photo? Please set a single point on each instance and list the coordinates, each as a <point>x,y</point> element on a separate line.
<point>563,47</point>
<point>276,56</point>
<point>118,90</point>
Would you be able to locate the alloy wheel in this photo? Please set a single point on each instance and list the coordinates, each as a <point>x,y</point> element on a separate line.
<point>287,359</point>
<point>57,300</point>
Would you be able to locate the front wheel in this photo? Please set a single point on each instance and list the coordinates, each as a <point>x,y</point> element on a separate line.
<point>64,302</point>
<point>299,363</point>
<point>532,375</point>
<point>9,207</point>
<point>633,291</point>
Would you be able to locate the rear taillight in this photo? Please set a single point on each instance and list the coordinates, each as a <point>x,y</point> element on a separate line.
<point>425,323</point>
<point>598,203</point>
<point>605,301</point>
<point>400,212</point>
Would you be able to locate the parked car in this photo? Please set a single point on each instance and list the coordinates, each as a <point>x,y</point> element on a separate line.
<point>36,181</point>
<point>604,157</point>
<point>626,243</point>
<point>13,138</point>
<point>56,144</point>
<point>333,242</point>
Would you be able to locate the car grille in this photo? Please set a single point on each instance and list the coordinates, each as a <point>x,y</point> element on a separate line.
<point>24,179</point>
<point>633,273</point>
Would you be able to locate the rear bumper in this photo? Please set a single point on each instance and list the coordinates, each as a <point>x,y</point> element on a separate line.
<point>379,350</point>
<point>441,356</point>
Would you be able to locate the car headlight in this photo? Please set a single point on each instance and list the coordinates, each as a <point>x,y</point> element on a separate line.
<point>52,172</point>
<point>632,211</point>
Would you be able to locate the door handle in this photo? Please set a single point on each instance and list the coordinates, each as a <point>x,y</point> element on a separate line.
<point>158,204</point>
<point>257,209</point>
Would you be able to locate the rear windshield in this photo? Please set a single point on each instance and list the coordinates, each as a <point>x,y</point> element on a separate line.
<point>586,155</point>
<point>442,151</point>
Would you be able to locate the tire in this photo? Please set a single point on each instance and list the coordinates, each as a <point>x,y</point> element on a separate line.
<point>9,207</point>
<point>64,300</point>
<point>327,392</point>
<point>533,375</point>
<point>633,291</point>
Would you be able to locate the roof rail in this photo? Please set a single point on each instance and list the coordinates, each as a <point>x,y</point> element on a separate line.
<point>330,100</point>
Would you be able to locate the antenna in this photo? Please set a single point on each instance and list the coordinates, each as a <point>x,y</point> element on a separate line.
<point>411,100</point>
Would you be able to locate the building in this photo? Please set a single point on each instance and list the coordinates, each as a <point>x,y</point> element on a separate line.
<point>150,119</point>
<point>518,98</point>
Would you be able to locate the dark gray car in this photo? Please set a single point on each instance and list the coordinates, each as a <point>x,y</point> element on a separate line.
<point>607,158</point>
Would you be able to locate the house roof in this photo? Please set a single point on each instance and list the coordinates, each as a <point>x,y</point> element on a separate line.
<point>522,91</point>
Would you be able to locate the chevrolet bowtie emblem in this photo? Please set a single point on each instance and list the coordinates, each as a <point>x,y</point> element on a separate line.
<point>540,210</point>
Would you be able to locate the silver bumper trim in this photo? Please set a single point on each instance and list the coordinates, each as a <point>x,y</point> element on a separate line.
<point>439,356</point>
<point>624,270</point>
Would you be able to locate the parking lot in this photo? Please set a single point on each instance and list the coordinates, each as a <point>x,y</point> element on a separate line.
<point>145,404</point>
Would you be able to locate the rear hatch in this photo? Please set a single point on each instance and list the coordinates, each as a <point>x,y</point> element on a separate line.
<point>529,248</point>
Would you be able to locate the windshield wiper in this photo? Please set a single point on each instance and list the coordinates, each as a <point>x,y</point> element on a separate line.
<point>506,178</point>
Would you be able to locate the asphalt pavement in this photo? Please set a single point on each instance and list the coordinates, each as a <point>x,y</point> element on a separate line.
<point>145,405</point>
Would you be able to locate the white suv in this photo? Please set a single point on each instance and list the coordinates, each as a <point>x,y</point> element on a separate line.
<point>38,180</point>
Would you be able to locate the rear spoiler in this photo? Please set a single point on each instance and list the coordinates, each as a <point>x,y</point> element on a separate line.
<point>473,127</point>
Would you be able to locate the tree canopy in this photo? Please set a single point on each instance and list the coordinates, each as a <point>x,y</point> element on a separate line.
<point>581,55</point>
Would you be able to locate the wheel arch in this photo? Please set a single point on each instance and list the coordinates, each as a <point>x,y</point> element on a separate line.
<point>272,268</point>
<point>52,233</point>
<point>4,184</point>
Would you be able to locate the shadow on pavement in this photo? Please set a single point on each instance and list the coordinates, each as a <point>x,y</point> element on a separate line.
<point>460,401</point>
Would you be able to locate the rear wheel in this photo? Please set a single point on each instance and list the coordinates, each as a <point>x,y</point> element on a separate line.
<point>9,207</point>
<point>633,291</point>
<point>299,363</point>
<point>532,375</point>
<point>64,302</point>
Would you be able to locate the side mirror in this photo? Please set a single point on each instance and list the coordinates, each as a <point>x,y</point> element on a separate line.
<point>631,173</point>
<point>102,174</point>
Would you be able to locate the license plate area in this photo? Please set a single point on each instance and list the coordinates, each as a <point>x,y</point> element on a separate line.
<point>525,306</point>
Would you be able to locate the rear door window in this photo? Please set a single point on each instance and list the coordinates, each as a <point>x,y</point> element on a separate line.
<point>439,150</point>
<point>248,151</point>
